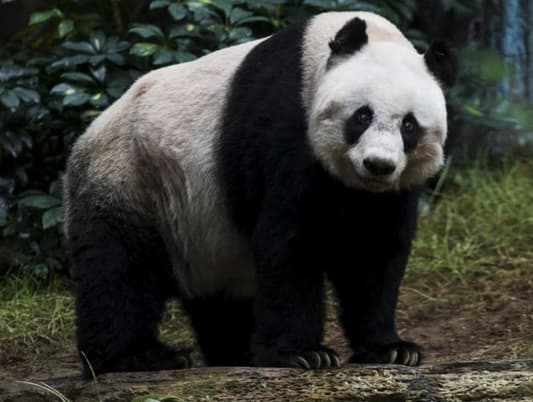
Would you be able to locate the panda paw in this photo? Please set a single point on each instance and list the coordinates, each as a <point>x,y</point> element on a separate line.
<point>401,352</point>
<point>319,359</point>
<point>322,358</point>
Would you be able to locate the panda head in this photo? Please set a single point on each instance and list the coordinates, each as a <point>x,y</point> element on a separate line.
<point>378,117</point>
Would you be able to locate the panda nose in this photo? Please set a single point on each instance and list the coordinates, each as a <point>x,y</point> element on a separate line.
<point>379,167</point>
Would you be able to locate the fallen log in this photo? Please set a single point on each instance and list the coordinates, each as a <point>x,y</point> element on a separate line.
<point>458,381</point>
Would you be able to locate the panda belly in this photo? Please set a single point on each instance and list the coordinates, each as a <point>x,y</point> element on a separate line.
<point>210,257</point>
<point>177,140</point>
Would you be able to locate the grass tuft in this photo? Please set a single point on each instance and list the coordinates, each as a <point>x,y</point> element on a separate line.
<point>31,311</point>
<point>482,222</point>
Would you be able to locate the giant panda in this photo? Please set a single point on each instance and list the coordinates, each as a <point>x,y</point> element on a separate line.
<point>240,181</point>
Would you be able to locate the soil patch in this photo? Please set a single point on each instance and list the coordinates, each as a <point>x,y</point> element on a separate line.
<point>478,319</point>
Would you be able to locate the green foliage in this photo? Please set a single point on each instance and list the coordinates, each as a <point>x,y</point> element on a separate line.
<point>31,310</point>
<point>482,223</point>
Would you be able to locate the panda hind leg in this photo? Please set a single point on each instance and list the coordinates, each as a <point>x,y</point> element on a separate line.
<point>124,278</point>
<point>223,329</point>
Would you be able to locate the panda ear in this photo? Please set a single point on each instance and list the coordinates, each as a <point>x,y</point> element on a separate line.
<point>351,37</point>
<point>441,61</point>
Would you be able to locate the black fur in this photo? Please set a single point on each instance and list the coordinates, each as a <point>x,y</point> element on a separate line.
<point>357,124</point>
<point>442,62</point>
<point>410,137</point>
<point>304,223</point>
<point>223,329</point>
<point>350,38</point>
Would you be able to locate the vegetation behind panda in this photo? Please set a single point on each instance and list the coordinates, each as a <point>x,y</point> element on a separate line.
<point>237,182</point>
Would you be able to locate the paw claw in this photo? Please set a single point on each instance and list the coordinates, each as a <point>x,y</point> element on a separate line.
<point>406,358</point>
<point>336,361</point>
<point>326,361</point>
<point>393,355</point>
<point>413,361</point>
<point>302,362</point>
<point>316,359</point>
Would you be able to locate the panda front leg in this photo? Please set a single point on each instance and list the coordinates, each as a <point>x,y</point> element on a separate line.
<point>289,305</point>
<point>368,296</point>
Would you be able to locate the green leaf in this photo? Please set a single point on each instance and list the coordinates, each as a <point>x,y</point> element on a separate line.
<point>43,201</point>
<point>252,19</point>
<point>7,145</point>
<point>10,100</point>
<point>52,217</point>
<point>98,40</point>
<point>84,47</point>
<point>177,11</point>
<point>27,95</point>
<point>163,56</point>
<point>158,4</point>
<point>473,111</point>
<point>144,49</point>
<point>63,89</point>
<point>65,27</point>
<point>115,90</point>
<point>184,57</point>
<point>115,58</point>
<point>79,78</point>
<point>68,62</point>
<point>320,3</point>
<point>41,16</point>
<point>99,100</point>
<point>15,140</point>
<point>238,14</point>
<point>76,99</point>
<point>26,139</point>
<point>224,5</point>
<point>95,60</point>
<point>99,73</point>
<point>147,31</point>
<point>240,34</point>
<point>114,45</point>
<point>181,31</point>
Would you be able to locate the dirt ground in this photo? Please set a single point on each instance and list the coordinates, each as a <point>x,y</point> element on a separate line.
<point>478,319</point>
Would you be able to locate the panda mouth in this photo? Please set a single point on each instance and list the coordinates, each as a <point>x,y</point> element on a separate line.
<point>375,184</point>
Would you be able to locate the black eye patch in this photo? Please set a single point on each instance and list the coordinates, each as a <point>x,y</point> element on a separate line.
<point>411,132</point>
<point>357,124</point>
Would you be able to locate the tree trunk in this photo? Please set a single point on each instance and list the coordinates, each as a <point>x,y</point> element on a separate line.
<point>467,381</point>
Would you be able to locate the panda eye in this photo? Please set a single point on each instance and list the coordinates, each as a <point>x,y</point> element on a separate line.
<point>357,124</point>
<point>409,124</point>
<point>364,115</point>
<point>411,132</point>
